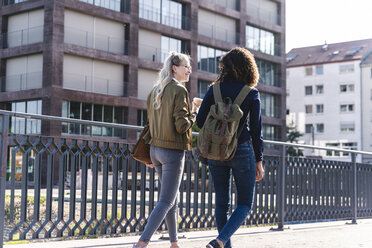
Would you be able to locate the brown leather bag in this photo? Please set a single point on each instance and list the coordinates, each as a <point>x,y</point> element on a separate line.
<point>141,151</point>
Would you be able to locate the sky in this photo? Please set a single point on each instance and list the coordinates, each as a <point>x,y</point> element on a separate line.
<point>314,22</point>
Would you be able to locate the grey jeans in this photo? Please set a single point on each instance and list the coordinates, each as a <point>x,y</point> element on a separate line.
<point>169,165</point>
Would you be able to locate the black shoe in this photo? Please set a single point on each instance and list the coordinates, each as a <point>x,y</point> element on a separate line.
<point>213,244</point>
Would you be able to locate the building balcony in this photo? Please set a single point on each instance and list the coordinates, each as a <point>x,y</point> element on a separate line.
<point>152,53</point>
<point>97,85</point>
<point>8,2</point>
<point>25,81</point>
<point>117,5</point>
<point>231,4</point>
<point>96,41</point>
<point>262,14</point>
<point>165,18</point>
<point>218,33</point>
<point>23,37</point>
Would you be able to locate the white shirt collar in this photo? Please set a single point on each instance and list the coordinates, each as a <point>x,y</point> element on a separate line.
<point>176,80</point>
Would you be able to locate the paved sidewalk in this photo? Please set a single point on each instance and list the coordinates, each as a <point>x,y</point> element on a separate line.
<point>315,235</point>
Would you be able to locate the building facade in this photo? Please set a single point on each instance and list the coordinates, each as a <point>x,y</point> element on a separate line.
<point>366,100</point>
<point>98,59</point>
<point>325,96</point>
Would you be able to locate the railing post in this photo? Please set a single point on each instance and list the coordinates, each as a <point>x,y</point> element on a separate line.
<point>354,200</point>
<point>281,190</point>
<point>4,126</point>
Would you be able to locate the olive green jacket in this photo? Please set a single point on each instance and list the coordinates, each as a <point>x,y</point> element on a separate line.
<point>170,125</point>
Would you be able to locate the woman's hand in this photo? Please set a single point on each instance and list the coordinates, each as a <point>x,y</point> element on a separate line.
<point>150,165</point>
<point>260,173</point>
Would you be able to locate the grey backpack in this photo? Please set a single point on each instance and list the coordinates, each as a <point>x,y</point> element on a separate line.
<point>218,138</point>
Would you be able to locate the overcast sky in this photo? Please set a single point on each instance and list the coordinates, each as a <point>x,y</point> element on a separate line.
<point>312,22</point>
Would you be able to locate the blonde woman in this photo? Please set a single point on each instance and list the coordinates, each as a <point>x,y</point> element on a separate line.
<point>170,121</point>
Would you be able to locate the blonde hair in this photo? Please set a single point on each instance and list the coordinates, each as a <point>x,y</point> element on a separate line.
<point>166,75</point>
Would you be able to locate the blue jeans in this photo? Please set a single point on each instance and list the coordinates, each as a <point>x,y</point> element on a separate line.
<point>243,168</point>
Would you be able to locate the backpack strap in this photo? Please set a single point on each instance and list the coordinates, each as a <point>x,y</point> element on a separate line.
<point>217,93</point>
<point>242,94</point>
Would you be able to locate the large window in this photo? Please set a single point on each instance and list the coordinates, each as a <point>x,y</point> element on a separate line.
<point>169,44</point>
<point>320,108</point>
<point>261,40</point>
<point>345,145</point>
<point>345,108</point>
<point>208,58</point>
<point>141,117</point>
<point>308,90</point>
<point>344,88</point>
<point>22,125</point>
<point>170,13</point>
<point>319,70</point>
<point>269,73</point>
<point>93,112</point>
<point>270,105</point>
<point>270,132</point>
<point>347,68</point>
<point>203,87</point>
<point>117,5</point>
<point>347,127</point>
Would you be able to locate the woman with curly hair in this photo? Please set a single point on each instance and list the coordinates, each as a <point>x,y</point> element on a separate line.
<point>237,69</point>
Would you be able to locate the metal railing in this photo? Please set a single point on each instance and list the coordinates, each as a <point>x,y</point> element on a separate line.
<point>232,4</point>
<point>25,81</point>
<point>83,187</point>
<point>88,83</point>
<point>164,17</point>
<point>97,41</point>
<point>218,33</point>
<point>23,37</point>
<point>117,5</point>
<point>263,14</point>
<point>8,2</point>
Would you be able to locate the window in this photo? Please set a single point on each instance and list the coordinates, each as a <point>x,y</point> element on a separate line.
<point>269,73</point>
<point>333,153</point>
<point>347,68</point>
<point>270,132</point>
<point>141,117</point>
<point>169,44</point>
<point>308,109</point>
<point>261,40</point>
<point>208,58</point>
<point>22,125</point>
<point>118,5</point>
<point>309,71</point>
<point>202,87</point>
<point>346,108</point>
<point>319,70</point>
<point>308,128</point>
<point>346,88</point>
<point>270,105</point>
<point>319,89</point>
<point>308,90</point>
<point>95,112</point>
<point>347,127</point>
<point>165,12</point>
<point>320,128</point>
<point>319,108</point>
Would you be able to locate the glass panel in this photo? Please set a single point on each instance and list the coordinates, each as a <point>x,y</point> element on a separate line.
<point>65,108</point>
<point>86,115</point>
<point>74,114</point>
<point>97,116</point>
<point>118,118</point>
<point>108,117</point>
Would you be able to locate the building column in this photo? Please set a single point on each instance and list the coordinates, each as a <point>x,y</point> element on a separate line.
<point>193,83</point>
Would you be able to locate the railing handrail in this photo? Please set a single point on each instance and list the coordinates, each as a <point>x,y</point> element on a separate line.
<point>139,128</point>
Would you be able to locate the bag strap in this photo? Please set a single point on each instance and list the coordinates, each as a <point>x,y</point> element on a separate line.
<point>242,95</point>
<point>217,93</point>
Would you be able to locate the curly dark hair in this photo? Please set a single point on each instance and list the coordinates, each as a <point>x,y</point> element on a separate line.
<point>239,64</point>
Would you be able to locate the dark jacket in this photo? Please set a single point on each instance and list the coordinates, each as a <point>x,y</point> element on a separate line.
<point>251,105</point>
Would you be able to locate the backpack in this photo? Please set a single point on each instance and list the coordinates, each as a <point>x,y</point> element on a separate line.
<point>218,138</point>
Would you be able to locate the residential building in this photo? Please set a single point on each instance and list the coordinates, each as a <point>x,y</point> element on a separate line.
<point>366,102</point>
<point>98,59</point>
<point>324,92</point>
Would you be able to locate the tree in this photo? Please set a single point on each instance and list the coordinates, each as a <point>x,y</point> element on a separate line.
<point>292,137</point>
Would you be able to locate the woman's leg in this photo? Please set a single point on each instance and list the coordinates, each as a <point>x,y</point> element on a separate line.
<point>221,175</point>
<point>169,164</point>
<point>243,168</point>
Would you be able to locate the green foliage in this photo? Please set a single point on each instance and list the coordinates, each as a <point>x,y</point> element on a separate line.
<point>292,137</point>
